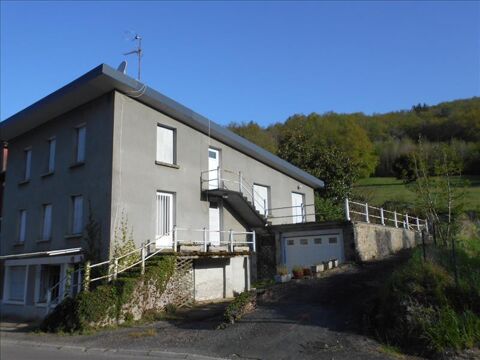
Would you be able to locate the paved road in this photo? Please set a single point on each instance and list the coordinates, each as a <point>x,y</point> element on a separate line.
<point>23,351</point>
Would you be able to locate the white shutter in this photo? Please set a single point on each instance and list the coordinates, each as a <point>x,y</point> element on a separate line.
<point>81,135</point>
<point>22,226</point>
<point>16,283</point>
<point>51,155</point>
<point>165,150</point>
<point>28,163</point>
<point>77,221</point>
<point>47,222</point>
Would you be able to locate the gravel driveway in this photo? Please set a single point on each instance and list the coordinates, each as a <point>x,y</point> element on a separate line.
<point>307,319</point>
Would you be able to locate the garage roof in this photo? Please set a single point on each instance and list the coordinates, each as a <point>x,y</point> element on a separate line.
<point>104,79</point>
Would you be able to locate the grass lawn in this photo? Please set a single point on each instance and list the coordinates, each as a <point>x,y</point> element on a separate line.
<point>381,189</point>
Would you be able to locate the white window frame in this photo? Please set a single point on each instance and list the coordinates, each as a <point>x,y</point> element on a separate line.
<point>45,207</point>
<point>6,286</point>
<point>80,148</point>
<point>76,216</point>
<point>164,157</point>
<point>22,226</point>
<point>52,146</point>
<point>27,173</point>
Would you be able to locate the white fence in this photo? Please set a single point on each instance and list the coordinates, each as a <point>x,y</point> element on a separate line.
<point>356,211</point>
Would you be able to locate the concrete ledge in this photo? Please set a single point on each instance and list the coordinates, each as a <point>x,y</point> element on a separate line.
<point>219,248</point>
<point>191,248</point>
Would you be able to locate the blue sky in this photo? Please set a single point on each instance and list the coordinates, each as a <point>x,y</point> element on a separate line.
<point>242,61</point>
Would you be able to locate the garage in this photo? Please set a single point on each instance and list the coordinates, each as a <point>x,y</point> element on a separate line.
<point>309,248</point>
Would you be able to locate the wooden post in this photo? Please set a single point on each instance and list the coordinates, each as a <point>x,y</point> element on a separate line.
<point>367,219</point>
<point>230,237</point>
<point>142,270</point>
<point>395,219</point>
<point>205,239</point>
<point>115,268</point>
<point>86,276</point>
<point>347,210</point>
<point>254,237</point>
<point>382,218</point>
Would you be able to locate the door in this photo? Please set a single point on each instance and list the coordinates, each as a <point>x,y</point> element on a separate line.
<point>261,198</point>
<point>297,208</point>
<point>214,224</point>
<point>213,164</point>
<point>164,219</point>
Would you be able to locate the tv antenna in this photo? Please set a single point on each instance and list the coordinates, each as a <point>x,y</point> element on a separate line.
<point>139,53</point>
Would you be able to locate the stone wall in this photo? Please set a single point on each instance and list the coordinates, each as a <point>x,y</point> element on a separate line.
<point>374,241</point>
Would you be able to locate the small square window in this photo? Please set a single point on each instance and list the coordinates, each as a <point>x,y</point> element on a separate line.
<point>332,240</point>
<point>303,241</point>
<point>212,154</point>
<point>290,242</point>
<point>318,241</point>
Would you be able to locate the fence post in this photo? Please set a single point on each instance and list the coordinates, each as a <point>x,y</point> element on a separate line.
<point>347,209</point>
<point>142,271</point>
<point>382,218</point>
<point>205,239</point>
<point>367,219</point>
<point>406,221</point>
<point>86,276</point>
<point>230,238</point>
<point>254,237</point>
<point>49,300</point>
<point>115,268</point>
<point>218,178</point>
<point>426,226</point>
<point>240,181</point>
<point>175,239</point>
<point>418,224</point>
<point>302,211</point>
<point>395,219</point>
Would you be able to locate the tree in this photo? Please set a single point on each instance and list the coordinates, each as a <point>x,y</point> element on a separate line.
<point>256,134</point>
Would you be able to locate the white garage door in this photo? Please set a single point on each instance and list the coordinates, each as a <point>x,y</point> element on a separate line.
<point>310,249</point>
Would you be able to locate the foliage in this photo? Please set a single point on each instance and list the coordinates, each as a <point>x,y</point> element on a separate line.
<point>256,134</point>
<point>107,303</point>
<point>92,238</point>
<point>282,270</point>
<point>242,304</point>
<point>124,243</point>
<point>422,311</point>
<point>328,209</point>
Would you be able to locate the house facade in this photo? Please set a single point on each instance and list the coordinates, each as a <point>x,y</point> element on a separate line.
<point>108,149</point>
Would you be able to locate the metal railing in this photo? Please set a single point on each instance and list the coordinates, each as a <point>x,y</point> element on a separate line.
<point>287,212</point>
<point>356,211</point>
<point>230,180</point>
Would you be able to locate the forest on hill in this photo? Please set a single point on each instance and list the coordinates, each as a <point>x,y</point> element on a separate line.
<point>374,145</point>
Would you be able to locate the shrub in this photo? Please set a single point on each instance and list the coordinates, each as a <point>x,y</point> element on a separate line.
<point>242,304</point>
<point>282,270</point>
<point>297,272</point>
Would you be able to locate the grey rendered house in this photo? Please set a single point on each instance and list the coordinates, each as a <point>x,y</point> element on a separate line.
<point>108,147</point>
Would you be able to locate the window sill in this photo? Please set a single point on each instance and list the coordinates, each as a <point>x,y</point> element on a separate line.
<point>77,164</point>
<point>43,241</point>
<point>50,173</point>
<point>175,166</point>
<point>23,182</point>
<point>13,302</point>
<point>73,236</point>
<point>18,244</point>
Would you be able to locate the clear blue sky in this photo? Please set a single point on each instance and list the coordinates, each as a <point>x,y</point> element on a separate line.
<point>242,61</point>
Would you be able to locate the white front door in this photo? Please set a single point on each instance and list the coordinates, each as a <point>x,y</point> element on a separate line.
<point>164,224</point>
<point>213,165</point>
<point>261,198</point>
<point>297,207</point>
<point>214,224</point>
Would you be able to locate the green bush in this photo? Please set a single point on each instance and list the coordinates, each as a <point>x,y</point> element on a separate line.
<point>242,304</point>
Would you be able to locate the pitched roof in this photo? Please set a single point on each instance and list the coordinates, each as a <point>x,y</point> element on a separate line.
<point>104,79</point>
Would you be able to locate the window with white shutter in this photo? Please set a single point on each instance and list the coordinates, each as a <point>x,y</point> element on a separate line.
<point>47,222</point>
<point>16,283</point>
<point>28,164</point>
<point>77,214</point>
<point>165,145</point>
<point>80,146</point>
<point>22,226</point>
<point>52,143</point>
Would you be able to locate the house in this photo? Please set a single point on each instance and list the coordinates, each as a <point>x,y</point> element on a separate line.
<point>109,149</point>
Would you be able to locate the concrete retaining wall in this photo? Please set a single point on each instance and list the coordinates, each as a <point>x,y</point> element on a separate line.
<point>376,241</point>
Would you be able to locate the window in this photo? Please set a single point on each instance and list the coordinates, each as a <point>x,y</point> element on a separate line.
<point>318,241</point>
<point>28,164</point>
<point>80,144</point>
<point>47,222</point>
<point>290,242</point>
<point>332,240</point>
<point>22,225</point>
<point>303,241</point>
<point>49,277</point>
<point>16,284</point>
<point>261,198</point>
<point>165,145</point>
<point>52,143</point>
<point>77,214</point>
